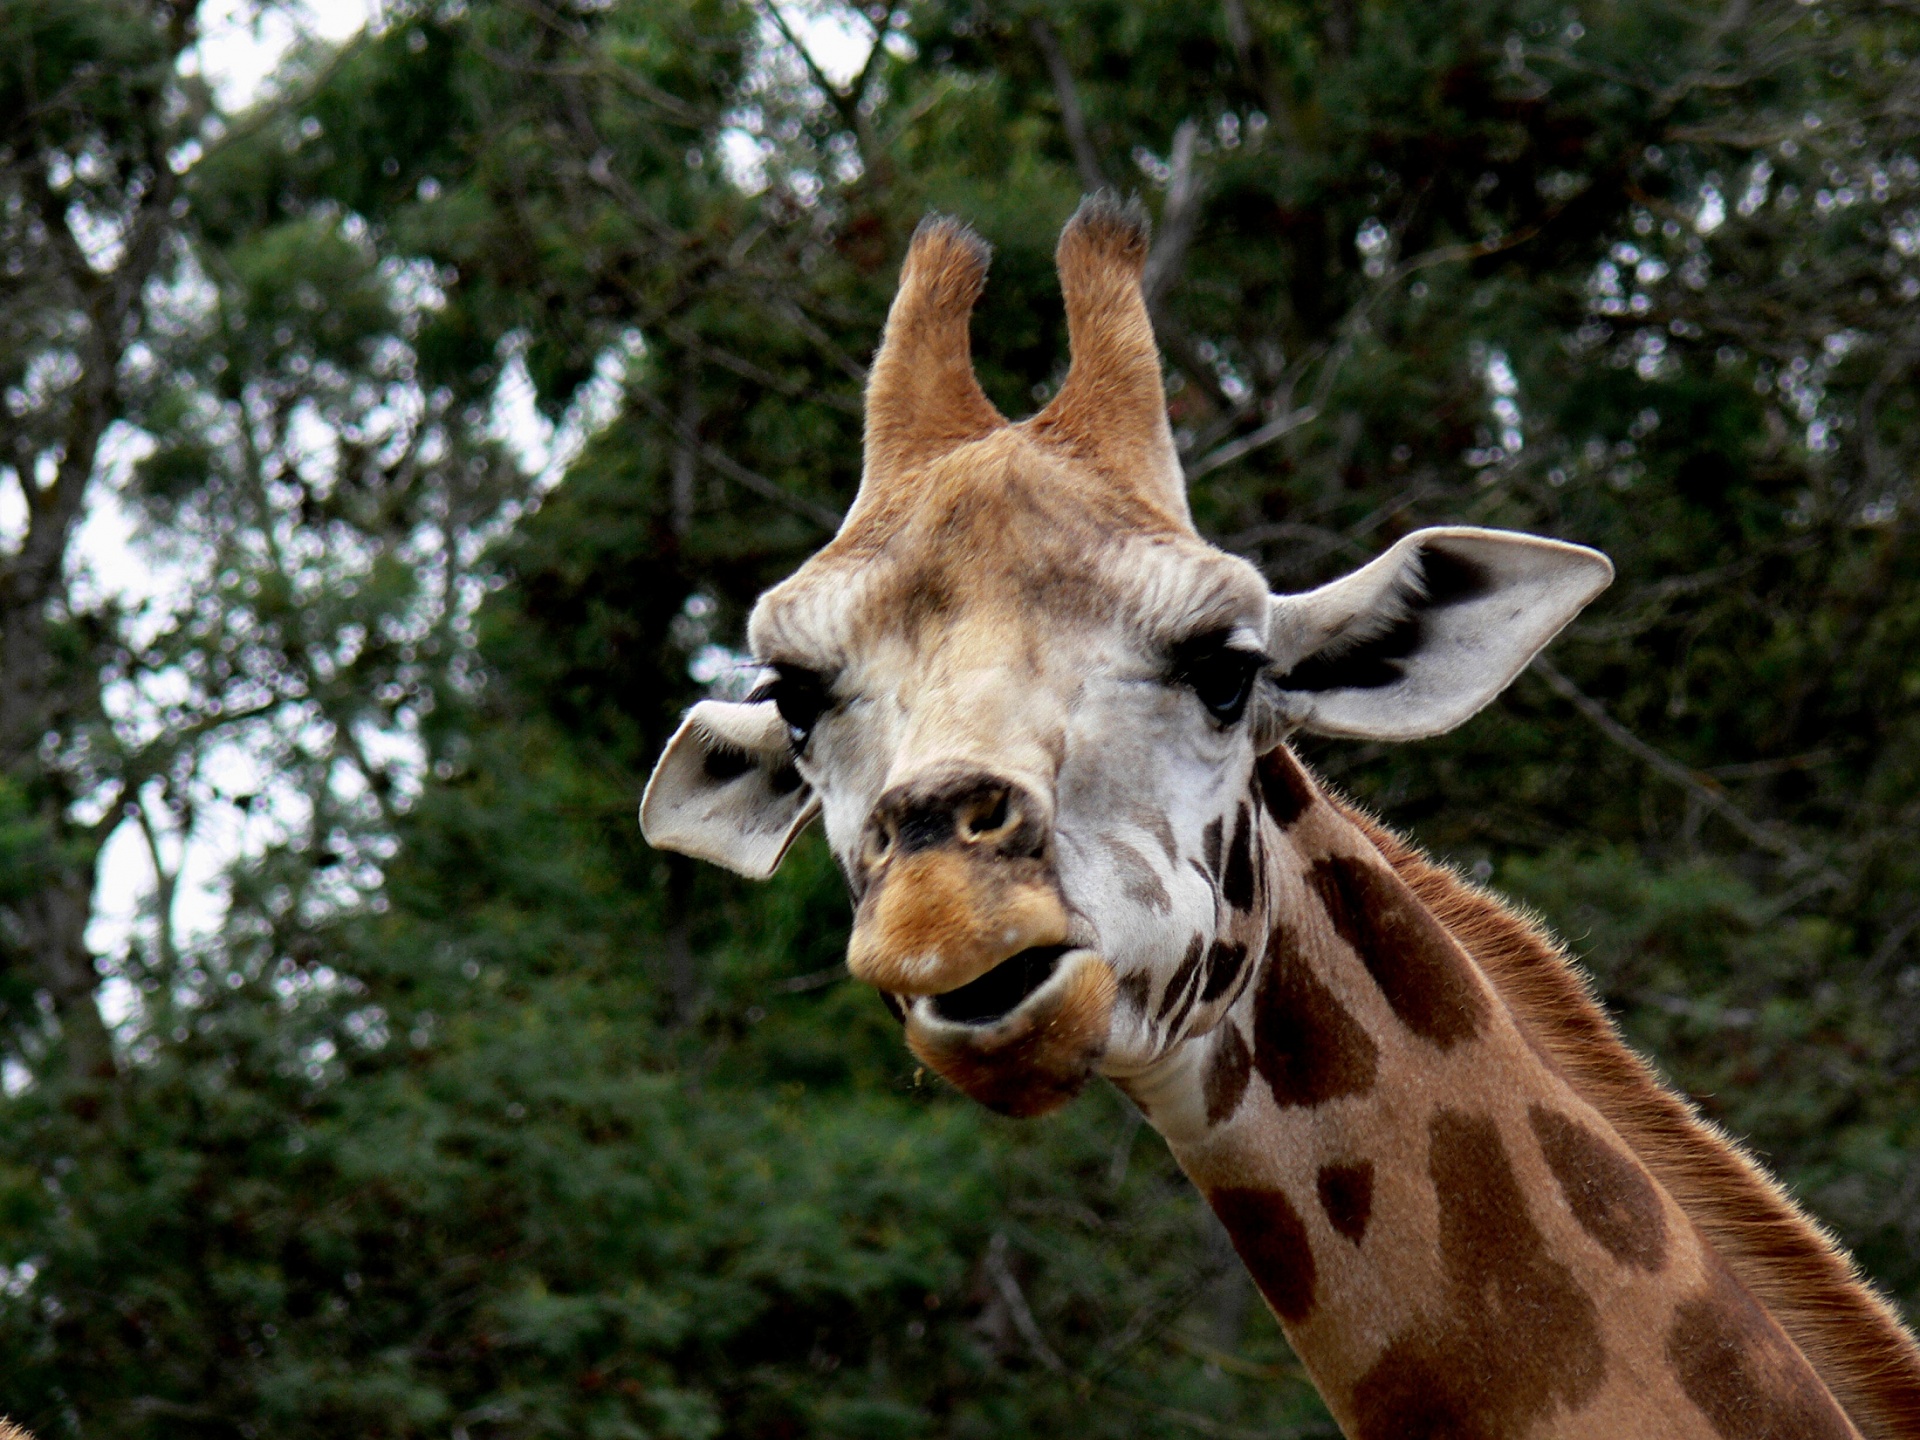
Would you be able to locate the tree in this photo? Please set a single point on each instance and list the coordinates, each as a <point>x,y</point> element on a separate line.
<point>251,394</point>
<point>480,1118</point>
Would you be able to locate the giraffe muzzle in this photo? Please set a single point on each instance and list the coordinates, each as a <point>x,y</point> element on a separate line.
<point>962,922</point>
<point>957,883</point>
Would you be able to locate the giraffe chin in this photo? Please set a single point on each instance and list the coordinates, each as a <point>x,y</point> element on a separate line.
<point>1024,1038</point>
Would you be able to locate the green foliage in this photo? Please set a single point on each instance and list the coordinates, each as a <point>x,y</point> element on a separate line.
<point>480,1119</point>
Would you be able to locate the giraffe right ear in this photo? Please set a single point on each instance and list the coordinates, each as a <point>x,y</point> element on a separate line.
<point>726,789</point>
<point>1424,637</point>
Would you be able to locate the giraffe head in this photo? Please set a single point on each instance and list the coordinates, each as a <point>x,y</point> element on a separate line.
<point>1027,699</point>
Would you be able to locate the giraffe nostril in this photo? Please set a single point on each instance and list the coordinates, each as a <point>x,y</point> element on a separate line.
<point>983,813</point>
<point>989,819</point>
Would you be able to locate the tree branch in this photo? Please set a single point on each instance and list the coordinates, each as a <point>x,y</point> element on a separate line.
<point>842,103</point>
<point>1179,218</point>
<point>1007,1287</point>
<point>165,886</point>
<point>1701,787</point>
<point>1086,160</point>
<point>825,517</point>
<point>1352,325</point>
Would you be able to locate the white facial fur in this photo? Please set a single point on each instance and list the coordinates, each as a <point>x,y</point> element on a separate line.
<point>1084,710</point>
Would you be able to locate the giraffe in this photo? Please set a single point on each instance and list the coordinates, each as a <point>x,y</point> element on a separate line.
<point>1046,728</point>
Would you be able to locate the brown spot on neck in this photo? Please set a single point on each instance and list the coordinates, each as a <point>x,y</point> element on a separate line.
<point>1346,1195</point>
<point>1609,1194</point>
<point>1518,1336</point>
<point>1272,1241</point>
<point>1182,977</point>
<point>1236,884</point>
<point>1224,959</point>
<point>1855,1341</point>
<point>1284,786</point>
<point>1227,1072</point>
<point>1423,973</point>
<point>1306,1046</point>
<point>1210,846</point>
<point>1737,1365</point>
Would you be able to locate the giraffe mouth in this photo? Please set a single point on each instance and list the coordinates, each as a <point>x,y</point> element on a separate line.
<point>1023,1038</point>
<point>992,997</point>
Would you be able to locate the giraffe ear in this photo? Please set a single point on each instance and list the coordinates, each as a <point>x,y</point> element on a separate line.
<point>1421,639</point>
<point>726,789</point>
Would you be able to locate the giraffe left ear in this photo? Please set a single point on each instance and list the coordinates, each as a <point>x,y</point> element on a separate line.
<point>1421,639</point>
<point>726,789</point>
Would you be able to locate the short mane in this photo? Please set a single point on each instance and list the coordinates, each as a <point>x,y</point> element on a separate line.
<point>1846,1329</point>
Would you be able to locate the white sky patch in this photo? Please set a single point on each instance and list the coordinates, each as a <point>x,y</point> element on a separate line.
<point>1505,385</point>
<point>516,420</point>
<point>222,832</point>
<point>1503,392</point>
<point>13,510</point>
<point>103,562</point>
<point>545,450</point>
<point>1713,210</point>
<point>727,674</point>
<point>243,41</point>
<point>838,41</point>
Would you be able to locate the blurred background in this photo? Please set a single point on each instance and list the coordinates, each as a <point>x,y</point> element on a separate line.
<point>402,405</point>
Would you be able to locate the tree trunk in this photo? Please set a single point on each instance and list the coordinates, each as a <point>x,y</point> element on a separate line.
<point>54,926</point>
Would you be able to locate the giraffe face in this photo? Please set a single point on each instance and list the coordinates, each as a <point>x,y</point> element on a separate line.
<point>1028,700</point>
<point>1027,717</point>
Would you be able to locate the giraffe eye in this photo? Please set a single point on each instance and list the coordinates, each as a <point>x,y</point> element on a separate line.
<point>800,695</point>
<point>1221,676</point>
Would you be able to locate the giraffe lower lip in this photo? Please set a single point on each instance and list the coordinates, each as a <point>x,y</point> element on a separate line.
<point>998,993</point>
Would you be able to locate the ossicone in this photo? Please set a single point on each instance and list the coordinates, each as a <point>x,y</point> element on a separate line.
<point>924,401</point>
<point>922,397</point>
<point>1111,411</point>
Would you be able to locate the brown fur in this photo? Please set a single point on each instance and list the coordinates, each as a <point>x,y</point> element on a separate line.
<point>1224,959</point>
<point>11,1431</point>
<point>1520,1337</point>
<point>1306,1046</point>
<point>1002,524</point>
<point>1743,1377</point>
<point>1416,964</point>
<point>1109,419</point>
<point>1182,978</point>
<point>1607,1191</point>
<point>1267,1232</point>
<point>1346,1195</point>
<point>1284,786</point>
<point>1849,1333</point>
<point>1227,1073</point>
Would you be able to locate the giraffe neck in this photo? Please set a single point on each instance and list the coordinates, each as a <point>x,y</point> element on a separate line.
<point>1455,1241</point>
